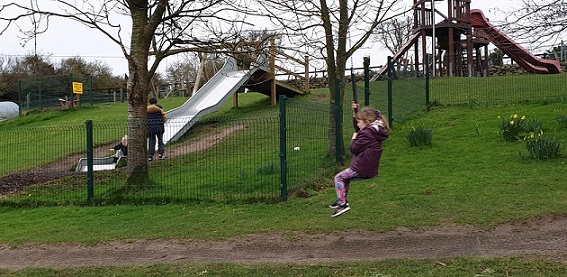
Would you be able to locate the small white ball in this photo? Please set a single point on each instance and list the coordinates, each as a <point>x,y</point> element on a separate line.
<point>296,148</point>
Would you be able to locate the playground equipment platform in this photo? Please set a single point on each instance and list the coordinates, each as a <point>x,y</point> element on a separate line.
<point>459,38</point>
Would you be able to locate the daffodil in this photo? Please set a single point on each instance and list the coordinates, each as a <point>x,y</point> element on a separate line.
<point>512,122</point>
<point>499,117</point>
<point>515,116</point>
<point>524,117</point>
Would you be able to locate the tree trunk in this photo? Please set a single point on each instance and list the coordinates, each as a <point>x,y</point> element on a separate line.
<point>137,125</point>
<point>336,64</point>
<point>138,88</point>
<point>334,144</point>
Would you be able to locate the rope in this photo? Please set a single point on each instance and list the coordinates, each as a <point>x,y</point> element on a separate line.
<point>353,82</point>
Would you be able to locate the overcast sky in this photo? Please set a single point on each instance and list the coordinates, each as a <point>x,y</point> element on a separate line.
<point>68,39</point>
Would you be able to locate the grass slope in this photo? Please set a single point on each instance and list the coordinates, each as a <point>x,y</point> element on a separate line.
<point>468,176</point>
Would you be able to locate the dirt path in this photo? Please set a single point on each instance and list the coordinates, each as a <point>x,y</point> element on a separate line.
<point>542,238</point>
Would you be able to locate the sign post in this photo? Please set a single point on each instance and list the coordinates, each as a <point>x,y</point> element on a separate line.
<point>77,90</point>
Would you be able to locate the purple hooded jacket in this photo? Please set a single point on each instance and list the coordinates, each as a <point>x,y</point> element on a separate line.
<point>367,149</point>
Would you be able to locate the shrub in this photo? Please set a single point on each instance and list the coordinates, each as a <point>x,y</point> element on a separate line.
<point>512,128</point>
<point>420,136</point>
<point>562,121</point>
<point>268,169</point>
<point>542,148</point>
<point>532,125</point>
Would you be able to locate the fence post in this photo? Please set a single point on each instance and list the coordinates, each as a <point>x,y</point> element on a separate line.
<point>283,149</point>
<point>90,79</point>
<point>390,80</point>
<point>366,64</point>
<point>123,93</point>
<point>427,101</point>
<point>40,105</point>
<point>71,93</point>
<point>20,96</point>
<point>90,174</point>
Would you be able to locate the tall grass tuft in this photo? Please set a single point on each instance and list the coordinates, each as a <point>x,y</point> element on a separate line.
<point>268,169</point>
<point>542,148</point>
<point>532,125</point>
<point>562,120</point>
<point>420,136</point>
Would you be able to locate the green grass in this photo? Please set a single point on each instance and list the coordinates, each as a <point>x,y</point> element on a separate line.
<point>388,268</point>
<point>498,89</point>
<point>467,176</point>
<point>100,112</point>
<point>467,169</point>
<point>64,130</point>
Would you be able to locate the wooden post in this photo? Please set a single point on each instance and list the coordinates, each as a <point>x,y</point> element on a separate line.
<point>424,51</point>
<point>235,99</point>
<point>470,60</point>
<point>452,65</point>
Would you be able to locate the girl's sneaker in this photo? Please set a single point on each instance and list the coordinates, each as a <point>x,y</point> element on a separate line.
<point>336,205</point>
<point>341,210</point>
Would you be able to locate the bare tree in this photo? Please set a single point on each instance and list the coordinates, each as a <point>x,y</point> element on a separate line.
<point>393,34</point>
<point>17,68</point>
<point>139,28</point>
<point>538,21</point>
<point>99,70</point>
<point>332,30</point>
<point>187,69</point>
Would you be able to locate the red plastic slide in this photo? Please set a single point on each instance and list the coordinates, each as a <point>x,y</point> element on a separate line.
<point>520,55</point>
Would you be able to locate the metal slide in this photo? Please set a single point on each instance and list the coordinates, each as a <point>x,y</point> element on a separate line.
<point>520,55</point>
<point>208,98</point>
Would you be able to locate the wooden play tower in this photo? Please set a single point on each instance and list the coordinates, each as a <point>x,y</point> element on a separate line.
<point>458,42</point>
<point>457,51</point>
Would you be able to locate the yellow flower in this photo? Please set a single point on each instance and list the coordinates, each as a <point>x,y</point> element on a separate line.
<point>499,117</point>
<point>512,122</point>
<point>532,135</point>
<point>515,116</point>
<point>524,117</point>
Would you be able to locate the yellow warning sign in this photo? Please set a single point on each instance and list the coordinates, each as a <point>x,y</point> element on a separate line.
<point>77,88</point>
